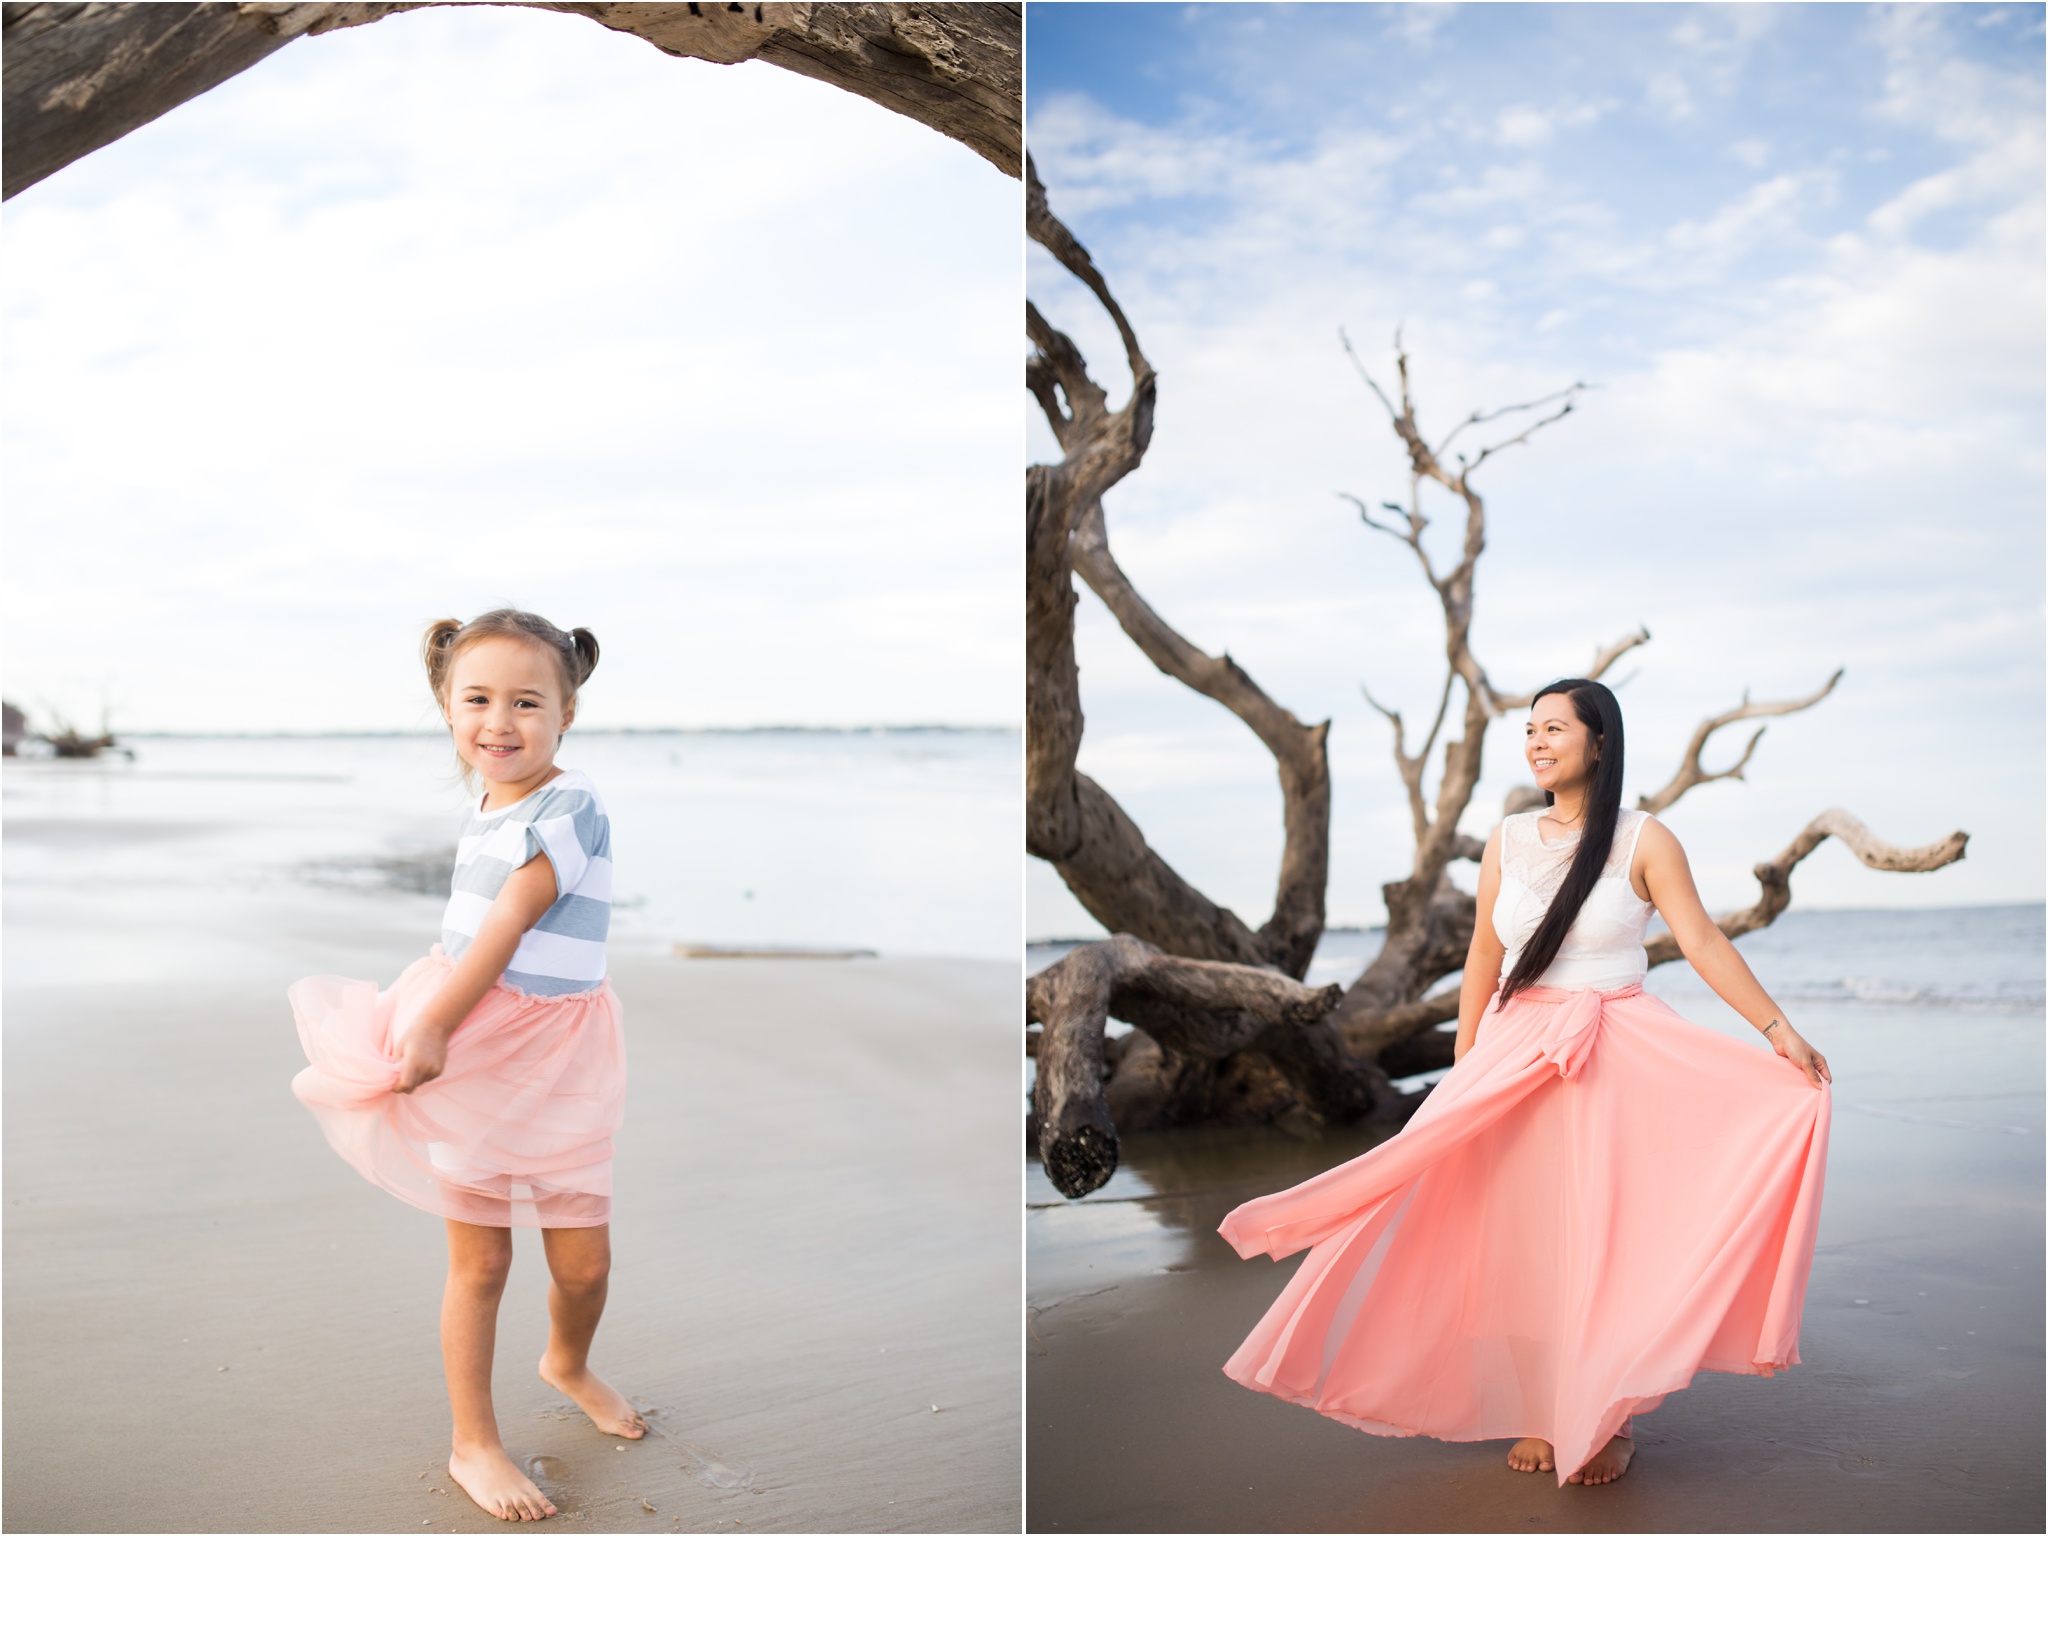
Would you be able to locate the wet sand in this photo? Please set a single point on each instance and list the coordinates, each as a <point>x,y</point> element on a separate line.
<point>213,1324</point>
<point>1919,1408</point>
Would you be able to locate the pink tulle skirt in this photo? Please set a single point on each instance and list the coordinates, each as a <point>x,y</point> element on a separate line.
<point>516,1132</point>
<point>1599,1201</point>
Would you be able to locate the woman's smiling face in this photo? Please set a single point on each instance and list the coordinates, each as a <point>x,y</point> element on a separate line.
<point>507,710</point>
<point>1560,748</point>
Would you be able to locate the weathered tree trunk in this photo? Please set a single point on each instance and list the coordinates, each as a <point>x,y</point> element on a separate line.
<point>1181,1067</point>
<point>77,77</point>
<point>1195,1010</point>
<point>1222,1032</point>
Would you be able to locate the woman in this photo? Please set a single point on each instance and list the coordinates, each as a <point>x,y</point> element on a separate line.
<point>1598,1200</point>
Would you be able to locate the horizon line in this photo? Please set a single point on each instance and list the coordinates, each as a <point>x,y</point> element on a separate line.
<point>587,732</point>
<point>1793,909</point>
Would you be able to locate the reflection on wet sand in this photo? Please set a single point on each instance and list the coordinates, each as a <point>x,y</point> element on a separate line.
<point>1918,1409</point>
<point>1159,1212</point>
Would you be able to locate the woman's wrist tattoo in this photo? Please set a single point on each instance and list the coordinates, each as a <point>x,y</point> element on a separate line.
<point>1773,1023</point>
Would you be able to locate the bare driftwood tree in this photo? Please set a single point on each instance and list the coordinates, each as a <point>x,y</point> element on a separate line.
<point>80,76</point>
<point>1223,1030</point>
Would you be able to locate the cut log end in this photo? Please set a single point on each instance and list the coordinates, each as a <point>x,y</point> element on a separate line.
<point>1080,1161</point>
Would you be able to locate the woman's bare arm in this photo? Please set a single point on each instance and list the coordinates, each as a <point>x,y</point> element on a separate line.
<point>1662,875</point>
<point>526,895</point>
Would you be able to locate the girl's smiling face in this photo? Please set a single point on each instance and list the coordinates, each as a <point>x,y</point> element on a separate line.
<point>508,712</point>
<point>1560,747</point>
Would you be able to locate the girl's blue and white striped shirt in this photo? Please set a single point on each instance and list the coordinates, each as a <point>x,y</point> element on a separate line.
<point>564,952</point>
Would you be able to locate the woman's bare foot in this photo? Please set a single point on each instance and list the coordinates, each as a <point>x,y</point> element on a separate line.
<point>489,1477</point>
<point>1532,1454</point>
<point>1607,1465</point>
<point>605,1404</point>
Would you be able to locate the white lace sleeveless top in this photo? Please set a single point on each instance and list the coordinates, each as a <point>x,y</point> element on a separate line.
<point>1604,948</point>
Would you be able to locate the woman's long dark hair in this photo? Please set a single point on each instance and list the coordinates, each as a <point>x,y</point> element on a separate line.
<point>1594,705</point>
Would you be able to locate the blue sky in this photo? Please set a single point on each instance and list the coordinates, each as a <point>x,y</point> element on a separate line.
<point>1798,250</point>
<point>483,304</point>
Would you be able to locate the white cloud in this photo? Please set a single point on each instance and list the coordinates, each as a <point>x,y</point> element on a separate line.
<point>1527,126</point>
<point>1418,23</point>
<point>1931,86</point>
<point>1769,209</point>
<point>1670,96</point>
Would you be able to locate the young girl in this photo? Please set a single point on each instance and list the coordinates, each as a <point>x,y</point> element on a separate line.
<point>1598,1200</point>
<point>486,1083</point>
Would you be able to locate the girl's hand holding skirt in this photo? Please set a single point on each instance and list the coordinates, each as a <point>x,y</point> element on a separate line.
<point>516,1131</point>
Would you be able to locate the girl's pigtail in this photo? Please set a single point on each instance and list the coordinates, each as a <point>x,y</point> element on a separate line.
<point>435,648</point>
<point>586,653</point>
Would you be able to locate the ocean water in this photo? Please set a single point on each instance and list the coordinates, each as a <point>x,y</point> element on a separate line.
<point>1970,959</point>
<point>215,854</point>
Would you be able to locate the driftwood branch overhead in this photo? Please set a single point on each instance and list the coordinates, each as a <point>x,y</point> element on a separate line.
<point>1429,920</point>
<point>1479,417</point>
<point>1690,773</point>
<point>1413,768</point>
<point>1289,937</point>
<point>1071,821</point>
<point>77,77</point>
<point>1775,874</point>
<point>1603,662</point>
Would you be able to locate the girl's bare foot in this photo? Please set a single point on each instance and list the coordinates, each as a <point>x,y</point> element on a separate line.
<point>489,1477</point>
<point>1532,1454</point>
<point>605,1404</point>
<point>1607,1465</point>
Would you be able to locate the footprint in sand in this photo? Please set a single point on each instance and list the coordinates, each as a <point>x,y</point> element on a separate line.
<point>550,1474</point>
<point>709,1467</point>
<point>713,1470</point>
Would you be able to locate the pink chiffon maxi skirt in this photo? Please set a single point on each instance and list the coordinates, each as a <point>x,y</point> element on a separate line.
<point>516,1132</point>
<point>1599,1201</point>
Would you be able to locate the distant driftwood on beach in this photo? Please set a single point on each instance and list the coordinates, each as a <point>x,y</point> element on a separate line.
<point>63,739</point>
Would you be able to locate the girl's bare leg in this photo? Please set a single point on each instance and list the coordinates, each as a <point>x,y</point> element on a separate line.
<point>579,1270</point>
<point>478,1260</point>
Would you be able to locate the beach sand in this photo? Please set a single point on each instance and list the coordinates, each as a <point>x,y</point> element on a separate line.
<point>1919,1407</point>
<point>212,1323</point>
